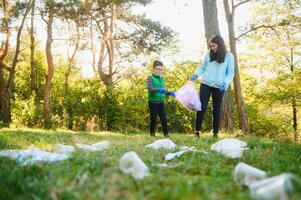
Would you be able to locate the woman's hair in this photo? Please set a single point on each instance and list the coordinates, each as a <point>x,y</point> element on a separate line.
<point>219,56</point>
<point>157,63</point>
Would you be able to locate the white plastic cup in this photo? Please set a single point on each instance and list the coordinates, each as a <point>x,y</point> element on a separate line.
<point>245,174</point>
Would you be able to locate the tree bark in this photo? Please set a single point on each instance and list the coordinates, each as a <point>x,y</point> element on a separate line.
<point>33,84</point>
<point>107,46</point>
<point>211,29</point>
<point>242,115</point>
<point>50,73</point>
<point>6,92</point>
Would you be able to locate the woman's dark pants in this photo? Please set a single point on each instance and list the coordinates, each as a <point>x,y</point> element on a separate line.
<point>217,98</point>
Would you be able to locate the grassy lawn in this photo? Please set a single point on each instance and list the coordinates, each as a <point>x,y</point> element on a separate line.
<point>96,175</point>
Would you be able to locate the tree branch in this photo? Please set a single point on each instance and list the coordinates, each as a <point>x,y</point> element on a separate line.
<point>253,29</point>
<point>4,66</point>
<point>240,3</point>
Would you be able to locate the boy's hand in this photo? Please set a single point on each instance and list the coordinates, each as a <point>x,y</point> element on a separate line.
<point>162,91</point>
<point>171,94</point>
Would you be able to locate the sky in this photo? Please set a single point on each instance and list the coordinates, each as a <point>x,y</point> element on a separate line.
<point>186,18</point>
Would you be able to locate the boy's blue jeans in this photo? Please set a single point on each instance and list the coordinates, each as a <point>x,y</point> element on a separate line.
<point>157,109</point>
<point>217,99</point>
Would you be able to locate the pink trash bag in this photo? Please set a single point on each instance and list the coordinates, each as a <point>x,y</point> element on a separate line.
<point>188,97</point>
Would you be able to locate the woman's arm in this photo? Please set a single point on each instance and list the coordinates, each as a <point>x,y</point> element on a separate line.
<point>230,69</point>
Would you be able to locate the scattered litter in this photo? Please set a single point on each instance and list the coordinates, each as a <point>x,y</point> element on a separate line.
<point>283,187</point>
<point>184,149</point>
<point>130,163</point>
<point>232,148</point>
<point>94,147</point>
<point>245,174</point>
<point>188,97</point>
<point>25,157</point>
<point>162,143</point>
<point>62,148</point>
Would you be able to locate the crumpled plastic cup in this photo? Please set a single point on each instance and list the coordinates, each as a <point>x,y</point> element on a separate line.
<point>162,143</point>
<point>285,186</point>
<point>130,163</point>
<point>183,150</point>
<point>232,148</point>
<point>246,174</point>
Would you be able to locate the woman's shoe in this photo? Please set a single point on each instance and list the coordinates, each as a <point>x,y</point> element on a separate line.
<point>197,134</point>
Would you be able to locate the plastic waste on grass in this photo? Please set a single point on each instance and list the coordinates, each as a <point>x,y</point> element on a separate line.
<point>285,186</point>
<point>130,163</point>
<point>183,150</point>
<point>62,148</point>
<point>162,143</point>
<point>188,97</point>
<point>245,174</point>
<point>31,156</point>
<point>232,148</point>
<point>93,147</point>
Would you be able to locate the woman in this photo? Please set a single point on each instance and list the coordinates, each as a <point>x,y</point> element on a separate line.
<point>216,72</point>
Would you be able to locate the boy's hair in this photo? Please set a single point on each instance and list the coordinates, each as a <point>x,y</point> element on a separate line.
<point>157,63</point>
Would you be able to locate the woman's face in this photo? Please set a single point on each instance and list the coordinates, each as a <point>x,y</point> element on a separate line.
<point>213,47</point>
<point>158,70</point>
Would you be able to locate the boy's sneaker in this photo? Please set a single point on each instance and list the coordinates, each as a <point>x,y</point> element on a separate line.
<point>152,134</point>
<point>166,135</point>
<point>215,135</point>
<point>197,134</point>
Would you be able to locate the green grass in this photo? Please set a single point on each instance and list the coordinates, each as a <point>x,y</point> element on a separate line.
<point>97,176</point>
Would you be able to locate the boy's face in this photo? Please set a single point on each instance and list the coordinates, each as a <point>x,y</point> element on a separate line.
<point>158,70</point>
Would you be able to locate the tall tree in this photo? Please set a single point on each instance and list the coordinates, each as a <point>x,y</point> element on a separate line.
<point>5,88</point>
<point>230,16</point>
<point>49,11</point>
<point>211,29</point>
<point>33,84</point>
<point>123,35</point>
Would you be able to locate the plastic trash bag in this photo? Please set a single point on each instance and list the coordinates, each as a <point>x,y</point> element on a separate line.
<point>232,148</point>
<point>62,148</point>
<point>245,174</point>
<point>25,157</point>
<point>162,143</point>
<point>188,97</point>
<point>282,187</point>
<point>183,150</point>
<point>130,163</point>
<point>93,147</point>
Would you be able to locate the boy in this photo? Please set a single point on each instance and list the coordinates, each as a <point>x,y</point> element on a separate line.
<point>156,97</point>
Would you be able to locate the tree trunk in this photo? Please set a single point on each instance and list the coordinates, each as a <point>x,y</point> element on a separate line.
<point>242,115</point>
<point>107,46</point>
<point>32,52</point>
<point>211,29</point>
<point>47,89</point>
<point>295,121</point>
<point>6,92</point>
<point>5,107</point>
